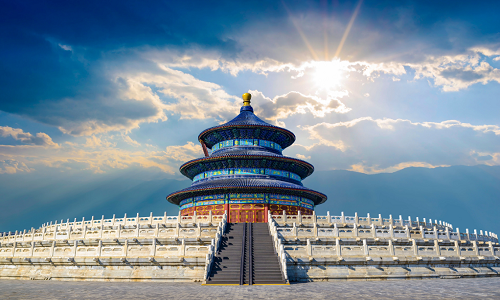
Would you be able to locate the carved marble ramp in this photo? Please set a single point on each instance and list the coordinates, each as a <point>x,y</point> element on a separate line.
<point>246,257</point>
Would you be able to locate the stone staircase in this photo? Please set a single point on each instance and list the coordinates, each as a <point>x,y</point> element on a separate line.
<point>246,256</point>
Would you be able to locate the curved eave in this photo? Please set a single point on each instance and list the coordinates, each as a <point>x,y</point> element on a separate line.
<point>188,164</point>
<point>286,132</point>
<point>178,196</point>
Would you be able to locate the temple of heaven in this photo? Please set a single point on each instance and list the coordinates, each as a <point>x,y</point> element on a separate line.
<point>246,174</point>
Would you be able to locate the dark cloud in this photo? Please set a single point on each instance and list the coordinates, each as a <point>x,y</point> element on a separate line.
<point>461,74</point>
<point>56,57</point>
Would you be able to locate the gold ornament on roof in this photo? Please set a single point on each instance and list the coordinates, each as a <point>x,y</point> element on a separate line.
<point>246,99</point>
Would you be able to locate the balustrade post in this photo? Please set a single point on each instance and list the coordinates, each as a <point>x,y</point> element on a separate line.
<point>356,218</point>
<point>391,229</point>
<point>492,250</point>
<point>368,218</point>
<point>391,221</point>
<point>125,249</point>
<point>365,247</point>
<point>52,248</point>
<point>374,230</point>
<point>309,248</point>
<point>407,229</point>
<point>414,246</point>
<point>315,230</point>
<point>342,217</point>
<point>153,247</point>
<point>157,229</point>
<point>183,248</point>
<point>32,250</point>
<point>447,230</point>
<point>151,218</point>
<point>438,249</point>
<point>355,229</point>
<point>337,246</point>
<point>14,246</point>
<point>99,248</point>
<point>335,230</point>
<point>328,218</point>
<point>299,217</point>
<point>457,248</point>
<point>75,245</point>
<point>476,250</point>
<point>391,248</point>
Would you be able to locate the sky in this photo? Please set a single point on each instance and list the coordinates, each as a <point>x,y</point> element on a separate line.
<point>92,88</point>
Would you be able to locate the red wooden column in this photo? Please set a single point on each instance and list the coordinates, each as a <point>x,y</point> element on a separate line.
<point>226,206</point>
<point>266,210</point>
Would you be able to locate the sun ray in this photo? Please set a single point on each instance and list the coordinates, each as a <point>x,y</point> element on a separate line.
<point>302,35</point>
<point>325,27</point>
<point>348,28</point>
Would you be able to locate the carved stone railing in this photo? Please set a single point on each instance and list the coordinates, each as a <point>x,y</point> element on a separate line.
<point>378,227</point>
<point>209,260</point>
<point>278,247</point>
<point>164,226</point>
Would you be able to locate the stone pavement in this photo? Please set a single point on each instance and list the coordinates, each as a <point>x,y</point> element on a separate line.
<point>483,288</point>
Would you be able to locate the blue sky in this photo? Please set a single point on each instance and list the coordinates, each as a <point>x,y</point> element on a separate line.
<point>92,88</point>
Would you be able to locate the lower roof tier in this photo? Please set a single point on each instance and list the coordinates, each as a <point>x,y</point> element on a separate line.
<point>245,185</point>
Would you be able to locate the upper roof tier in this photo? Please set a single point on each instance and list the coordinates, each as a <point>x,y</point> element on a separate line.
<point>247,126</point>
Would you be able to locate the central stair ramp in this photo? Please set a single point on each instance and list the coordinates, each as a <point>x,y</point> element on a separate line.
<point>246,257</point>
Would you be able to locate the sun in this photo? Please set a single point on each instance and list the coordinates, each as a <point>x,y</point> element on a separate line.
<point>328,74</point>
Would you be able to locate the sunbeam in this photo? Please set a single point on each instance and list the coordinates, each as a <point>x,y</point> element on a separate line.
<point>302,35</point>
<point>346,32</point>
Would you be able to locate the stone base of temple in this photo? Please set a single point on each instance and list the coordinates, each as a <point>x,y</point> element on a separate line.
<point>384,268</point>
<point>106,269</point>
<point>246,213</point>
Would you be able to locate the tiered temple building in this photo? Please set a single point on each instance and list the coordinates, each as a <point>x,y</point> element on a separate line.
<point>246,173</point>
<point>214,238</point>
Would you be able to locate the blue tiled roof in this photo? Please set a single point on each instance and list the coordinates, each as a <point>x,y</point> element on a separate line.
<point>248,118</point>
<point>242,183</point>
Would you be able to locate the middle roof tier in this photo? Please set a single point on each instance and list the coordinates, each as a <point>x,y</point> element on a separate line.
<point>247,159</point>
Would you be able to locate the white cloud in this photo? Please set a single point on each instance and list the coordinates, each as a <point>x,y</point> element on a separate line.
<point>374,169</point>
<point>457,72</point>
<point>300,156</point>
<point>387,145</point>
<point>39,139</point>
<point>283,106</point>
<point>10,166</point>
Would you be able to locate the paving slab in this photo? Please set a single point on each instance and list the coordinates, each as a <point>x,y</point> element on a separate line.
<point>475,288</point>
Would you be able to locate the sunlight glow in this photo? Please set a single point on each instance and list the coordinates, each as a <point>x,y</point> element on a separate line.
<point>328,74</point>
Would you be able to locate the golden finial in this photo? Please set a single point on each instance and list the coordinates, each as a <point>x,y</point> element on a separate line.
<point>246,99</point>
